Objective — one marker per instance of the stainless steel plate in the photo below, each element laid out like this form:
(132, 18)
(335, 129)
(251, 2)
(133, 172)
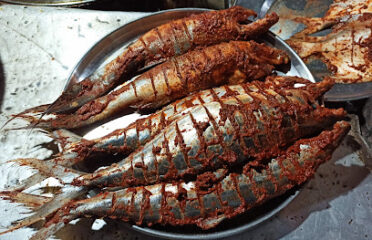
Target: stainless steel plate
(109, 47)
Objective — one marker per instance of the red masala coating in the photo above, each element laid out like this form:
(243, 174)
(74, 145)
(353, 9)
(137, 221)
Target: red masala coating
(161, 43)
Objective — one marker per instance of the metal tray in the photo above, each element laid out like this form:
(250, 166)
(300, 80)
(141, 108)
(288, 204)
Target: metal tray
(109, 47)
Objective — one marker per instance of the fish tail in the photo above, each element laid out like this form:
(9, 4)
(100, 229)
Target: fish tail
(66, 139)
(45, 169)
(27, 199)
(48, 209)
(31, 115)
(46, 206)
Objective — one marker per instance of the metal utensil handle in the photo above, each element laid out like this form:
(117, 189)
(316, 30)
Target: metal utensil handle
(265, 8)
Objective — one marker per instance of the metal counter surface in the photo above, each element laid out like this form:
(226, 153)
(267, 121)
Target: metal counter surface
(39, 47)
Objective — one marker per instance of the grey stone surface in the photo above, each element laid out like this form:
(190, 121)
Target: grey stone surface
(39, 48)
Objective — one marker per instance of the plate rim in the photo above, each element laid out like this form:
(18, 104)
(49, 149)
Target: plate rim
(65, 3)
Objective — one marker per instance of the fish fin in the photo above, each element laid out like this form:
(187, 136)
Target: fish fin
(74, 96)
(45, 169)
(7, 122)
(29, 114)
(29, 182)
(34, 118)
(66, 138)
(71, 148)
(29, 200)
(286, 81)
(211, 222)
(48, 208)
(49, 169)
(259, 26)
(318, 89)
(66, 195)
(51, 228)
